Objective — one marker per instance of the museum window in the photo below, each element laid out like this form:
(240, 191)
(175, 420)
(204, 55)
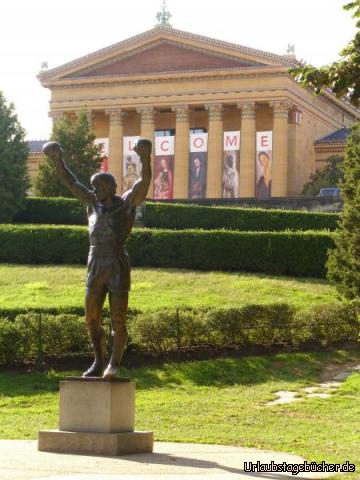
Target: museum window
(165, 133)
(198, 130)
(171, 132)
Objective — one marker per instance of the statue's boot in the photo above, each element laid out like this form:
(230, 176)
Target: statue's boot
(118, 348)
(98, 342)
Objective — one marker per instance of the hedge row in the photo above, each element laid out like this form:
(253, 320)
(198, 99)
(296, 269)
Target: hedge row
(67, 211)
(56, 210)
(280, 253)
(31, 337)
(177, 216)
(255, 325)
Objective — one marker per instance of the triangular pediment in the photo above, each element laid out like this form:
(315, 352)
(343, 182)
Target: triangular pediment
(164, 50)
(163, 57)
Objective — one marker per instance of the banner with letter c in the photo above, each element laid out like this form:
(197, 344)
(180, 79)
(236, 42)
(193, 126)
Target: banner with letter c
(164, 168)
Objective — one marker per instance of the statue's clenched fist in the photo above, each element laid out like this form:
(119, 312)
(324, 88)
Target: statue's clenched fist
(143, 148)
(53, 150)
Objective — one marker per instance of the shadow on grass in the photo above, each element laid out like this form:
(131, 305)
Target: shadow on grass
(220, 372)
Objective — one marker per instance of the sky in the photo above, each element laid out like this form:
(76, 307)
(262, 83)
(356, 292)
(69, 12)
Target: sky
(58, 31)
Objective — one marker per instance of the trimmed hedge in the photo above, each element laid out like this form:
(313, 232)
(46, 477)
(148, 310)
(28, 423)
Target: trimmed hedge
(42, 244)
(68, 211)
(55, 210)
(279, 253)
(177, 216)
(255, 325)
(33, 337)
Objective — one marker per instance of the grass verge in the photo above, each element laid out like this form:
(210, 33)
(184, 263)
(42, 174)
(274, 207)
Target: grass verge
(24, 286)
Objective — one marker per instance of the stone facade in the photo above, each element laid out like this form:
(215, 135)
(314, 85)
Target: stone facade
(166, 79)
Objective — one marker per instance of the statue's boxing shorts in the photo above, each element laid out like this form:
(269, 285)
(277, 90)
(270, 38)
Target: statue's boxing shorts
(109, 271)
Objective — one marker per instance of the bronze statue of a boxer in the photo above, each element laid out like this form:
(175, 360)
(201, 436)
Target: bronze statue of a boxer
(111, 218)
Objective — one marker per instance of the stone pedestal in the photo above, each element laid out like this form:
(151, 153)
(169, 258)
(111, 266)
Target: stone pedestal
(96, 417)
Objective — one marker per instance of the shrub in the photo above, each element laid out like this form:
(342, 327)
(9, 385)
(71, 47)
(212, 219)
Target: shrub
(14, 152)
(344, 260)
(327, 324)
(82, 156)
(260, 326)
(279, 253)
(169, 329)
(32, 336)
(68, 211)
(177, 216)
(46, 244)
(59, 210)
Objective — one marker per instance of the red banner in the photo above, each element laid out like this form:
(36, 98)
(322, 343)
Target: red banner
(164, 168)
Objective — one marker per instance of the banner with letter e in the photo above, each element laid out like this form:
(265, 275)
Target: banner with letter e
(263, 164)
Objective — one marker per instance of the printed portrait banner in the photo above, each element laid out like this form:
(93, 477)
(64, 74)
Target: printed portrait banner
(263, 164)
(164, 168)
(131, 163)
(198, 165)
(103, 143)
(231, 164)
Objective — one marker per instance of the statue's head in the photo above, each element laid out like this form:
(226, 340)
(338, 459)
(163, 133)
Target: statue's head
(104, 185)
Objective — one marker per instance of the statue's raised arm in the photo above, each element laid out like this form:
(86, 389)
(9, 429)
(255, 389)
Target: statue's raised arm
(140, 188)
(54, 151)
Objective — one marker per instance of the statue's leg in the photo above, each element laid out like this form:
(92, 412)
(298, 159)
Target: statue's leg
(94, 302)
(118, 308)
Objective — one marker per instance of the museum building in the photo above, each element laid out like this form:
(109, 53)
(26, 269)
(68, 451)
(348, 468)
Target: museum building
(226, 120)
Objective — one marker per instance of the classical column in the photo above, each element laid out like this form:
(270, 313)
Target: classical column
(91, 118)
(215, 151)
(55, 116)
(116, 136)
(247, 175)
(279, 168)
(147, 131)
(181, 175)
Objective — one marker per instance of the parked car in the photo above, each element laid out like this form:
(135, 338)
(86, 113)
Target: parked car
(329, 192)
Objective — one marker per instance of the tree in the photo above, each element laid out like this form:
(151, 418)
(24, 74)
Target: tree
(344, 261)
(80, 153)
(13, 160)
(330, 176)
(343, 76)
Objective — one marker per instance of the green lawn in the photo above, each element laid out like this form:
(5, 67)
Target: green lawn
(217, 401)
(27, 286)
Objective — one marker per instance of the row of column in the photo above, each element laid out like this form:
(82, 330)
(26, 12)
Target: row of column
(247, 177)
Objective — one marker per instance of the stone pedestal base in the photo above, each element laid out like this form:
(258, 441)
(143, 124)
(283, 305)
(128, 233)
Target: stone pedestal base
(109, 444)
(96, 418)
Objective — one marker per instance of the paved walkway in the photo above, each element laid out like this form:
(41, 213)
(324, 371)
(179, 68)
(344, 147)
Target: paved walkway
(20, 460)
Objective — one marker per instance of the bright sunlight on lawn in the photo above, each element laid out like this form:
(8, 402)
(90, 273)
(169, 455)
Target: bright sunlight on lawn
(61, 286)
